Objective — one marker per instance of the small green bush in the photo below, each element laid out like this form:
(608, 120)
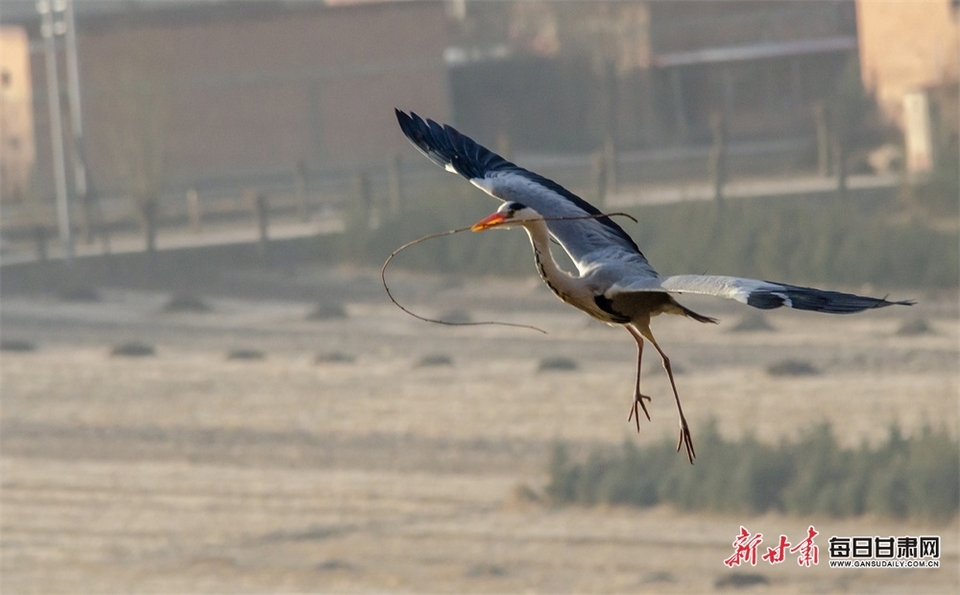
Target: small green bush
(328, 311)
(334, 357)
(132, 349)
(434, 360)
(740, 580)
(245, 354)
(751, 322)
(914, 326)
(78, 292)
(792, 367)
(553, 364)
(21, 345)
(186, 302)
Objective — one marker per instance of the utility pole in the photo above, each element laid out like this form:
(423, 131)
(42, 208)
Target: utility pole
(47, 30)
(76, 115)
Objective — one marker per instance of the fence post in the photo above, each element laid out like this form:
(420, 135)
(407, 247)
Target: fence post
(40, 237)
(86, 219)
(366, 217)
(301, 177)
(600, 177)
(840, 161)
(149, 214)
(823, 138)
(395, 181)
(610, 162)
(261, 211)
(718, 157)
(193, 209)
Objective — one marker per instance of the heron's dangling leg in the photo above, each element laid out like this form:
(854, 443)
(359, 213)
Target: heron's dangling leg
(638, 397)
(685, 438)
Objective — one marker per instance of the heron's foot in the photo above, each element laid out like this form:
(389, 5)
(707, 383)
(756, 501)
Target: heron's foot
(686, 440)
(634, 414)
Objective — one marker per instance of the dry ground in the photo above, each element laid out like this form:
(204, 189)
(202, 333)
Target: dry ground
(188, 472)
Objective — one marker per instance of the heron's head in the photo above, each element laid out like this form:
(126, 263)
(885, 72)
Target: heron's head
(509, 214)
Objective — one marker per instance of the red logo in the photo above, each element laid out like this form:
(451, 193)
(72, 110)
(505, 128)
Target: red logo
(746, 544)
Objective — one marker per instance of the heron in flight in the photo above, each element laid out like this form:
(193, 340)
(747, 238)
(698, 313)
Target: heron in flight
(614, 282)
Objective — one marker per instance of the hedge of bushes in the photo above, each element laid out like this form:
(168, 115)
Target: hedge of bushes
(917, 477)
(816, 240)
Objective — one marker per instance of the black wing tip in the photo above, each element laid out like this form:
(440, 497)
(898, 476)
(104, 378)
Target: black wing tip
(404, 119)
(883, 303)
(818, 300)
(412, 125)
(886, 303)
(859, 303)
(445, 145)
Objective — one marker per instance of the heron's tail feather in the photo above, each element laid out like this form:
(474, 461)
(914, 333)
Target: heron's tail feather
(698, 317)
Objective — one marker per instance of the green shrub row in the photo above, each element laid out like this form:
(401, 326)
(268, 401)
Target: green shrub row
(811, 240)
(916, 477)
(802, 240)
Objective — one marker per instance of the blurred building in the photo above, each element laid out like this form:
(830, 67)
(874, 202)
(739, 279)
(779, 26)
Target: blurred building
(651, 73)
(910, 61)
(907, 46)
(181, 93)
(192, 93)
(17, 151)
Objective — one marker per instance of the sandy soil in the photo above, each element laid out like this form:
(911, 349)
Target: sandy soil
(189, 472)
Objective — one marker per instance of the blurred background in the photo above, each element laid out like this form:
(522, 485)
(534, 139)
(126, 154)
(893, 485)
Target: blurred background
(205, 387)
(177, 114)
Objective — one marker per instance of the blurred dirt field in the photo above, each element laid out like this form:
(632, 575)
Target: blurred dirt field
(187, 471)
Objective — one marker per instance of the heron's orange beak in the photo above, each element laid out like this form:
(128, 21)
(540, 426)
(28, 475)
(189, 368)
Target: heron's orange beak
(488, 222)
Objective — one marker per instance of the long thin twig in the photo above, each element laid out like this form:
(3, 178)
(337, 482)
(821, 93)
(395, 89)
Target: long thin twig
(424, 318)
(441, 234)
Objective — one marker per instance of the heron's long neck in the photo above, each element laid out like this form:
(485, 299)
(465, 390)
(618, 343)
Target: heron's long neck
(562, 283)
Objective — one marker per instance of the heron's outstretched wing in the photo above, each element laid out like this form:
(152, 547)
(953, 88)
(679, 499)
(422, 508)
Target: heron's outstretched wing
(759, 294)
(589, 242)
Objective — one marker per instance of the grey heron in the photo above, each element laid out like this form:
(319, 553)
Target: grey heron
(614, 283)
